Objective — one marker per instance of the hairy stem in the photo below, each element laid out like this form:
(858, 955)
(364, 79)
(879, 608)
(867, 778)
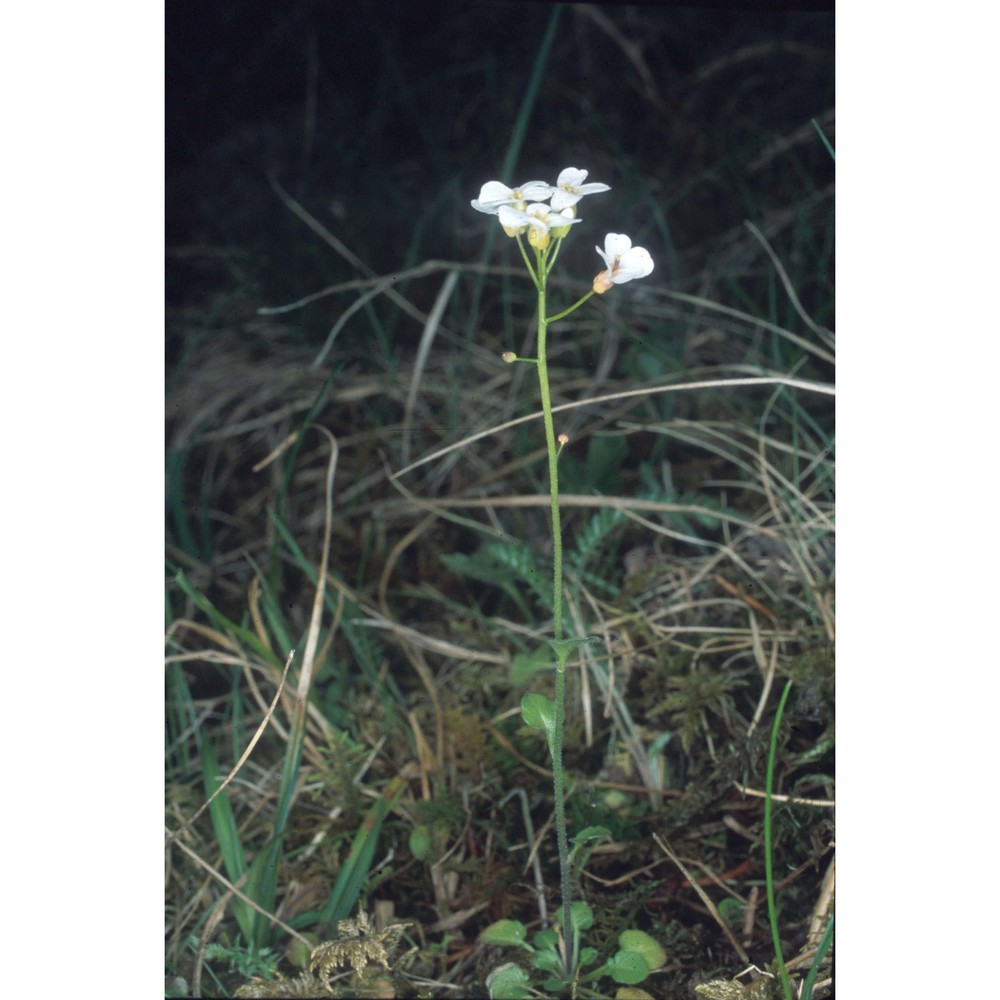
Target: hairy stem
(558, 775)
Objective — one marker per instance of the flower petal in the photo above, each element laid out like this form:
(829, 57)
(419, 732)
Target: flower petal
(570, 188)
(571, 177)
(493, 194)
(615, 244)
(564, 199)
(513, 218)
(534, 191)
(634, 263)
(494, 191)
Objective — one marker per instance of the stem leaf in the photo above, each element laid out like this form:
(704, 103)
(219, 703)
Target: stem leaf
(539, 712)
(563, 647)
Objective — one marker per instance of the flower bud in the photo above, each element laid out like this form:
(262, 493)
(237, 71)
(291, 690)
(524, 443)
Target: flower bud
(560, 231)
(539, 238)
(603, 282)
(509, 356)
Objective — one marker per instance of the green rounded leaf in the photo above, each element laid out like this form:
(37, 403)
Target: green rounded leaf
(581, 916)
(298, 952)
(627, 967)
(546, 940)
(539, 712)
(731, 910)
(650, 949)
(420, 842)
(508, 982)
(547, 961)
(556, 986)
(509, 932)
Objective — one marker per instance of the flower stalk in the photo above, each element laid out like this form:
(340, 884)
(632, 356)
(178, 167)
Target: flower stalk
(559, 719)
(522, 211)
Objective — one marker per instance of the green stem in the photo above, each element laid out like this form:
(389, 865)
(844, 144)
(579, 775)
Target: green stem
(553, 252)
(575, 305)
(558, 774)
(772, 912)
(527, 263)
(562, 838)
(550, 444)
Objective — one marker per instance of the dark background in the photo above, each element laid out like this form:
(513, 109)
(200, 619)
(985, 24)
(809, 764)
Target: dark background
(384, 119)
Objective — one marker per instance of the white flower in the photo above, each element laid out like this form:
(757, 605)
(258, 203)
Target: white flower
(624, 261)
(538, 217)
(561, 229)
(570, 188)
(493, 194)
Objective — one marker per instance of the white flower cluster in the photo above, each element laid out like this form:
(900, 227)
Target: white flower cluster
(524, 208)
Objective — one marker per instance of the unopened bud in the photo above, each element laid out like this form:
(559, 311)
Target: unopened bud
(509, 356)
(602, 283)
(560, 232)
(539, 238)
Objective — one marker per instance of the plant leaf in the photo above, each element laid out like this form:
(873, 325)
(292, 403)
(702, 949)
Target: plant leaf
(508, 982)
(581, 916)
(590, 833)
(226, 836)
(539, 712)
(547, 940)
(563, 647)
(547, 961)
(640, 942)
(508, 932)
(524, 666)
(627, 967)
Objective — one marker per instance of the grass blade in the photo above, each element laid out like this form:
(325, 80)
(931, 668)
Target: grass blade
(227, 837)
(772, 913)
(358, 863)
(224, 623)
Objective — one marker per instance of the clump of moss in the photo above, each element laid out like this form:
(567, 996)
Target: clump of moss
(360, 947)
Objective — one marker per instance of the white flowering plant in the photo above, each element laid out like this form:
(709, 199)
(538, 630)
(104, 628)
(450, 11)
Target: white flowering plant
(543, 215)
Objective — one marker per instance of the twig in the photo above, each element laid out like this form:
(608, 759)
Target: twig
(823, 803)
(536, 865)
(737, 947)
